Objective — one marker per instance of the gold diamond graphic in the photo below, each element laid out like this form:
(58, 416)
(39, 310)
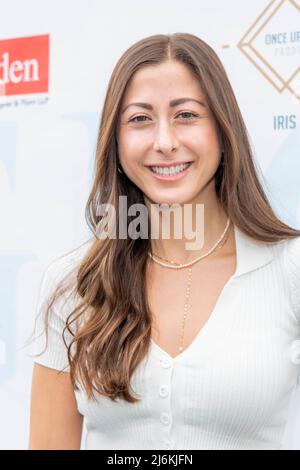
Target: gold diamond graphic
(272, 44)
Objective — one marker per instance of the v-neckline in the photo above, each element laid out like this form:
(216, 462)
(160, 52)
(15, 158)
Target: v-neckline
(208, 324)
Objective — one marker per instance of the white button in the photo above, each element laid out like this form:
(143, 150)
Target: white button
(163, 391)
(166, 363)
(165, 418)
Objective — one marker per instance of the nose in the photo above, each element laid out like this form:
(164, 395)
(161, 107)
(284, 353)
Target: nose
(165, 139)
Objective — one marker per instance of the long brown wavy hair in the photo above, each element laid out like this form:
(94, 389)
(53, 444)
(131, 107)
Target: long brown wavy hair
(113, 318)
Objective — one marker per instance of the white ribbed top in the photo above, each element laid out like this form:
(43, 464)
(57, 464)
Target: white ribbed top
(231, 388)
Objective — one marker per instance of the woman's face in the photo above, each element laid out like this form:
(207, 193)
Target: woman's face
(156, 137)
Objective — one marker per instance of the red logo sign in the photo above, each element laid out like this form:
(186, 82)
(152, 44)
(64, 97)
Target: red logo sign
(24, 65)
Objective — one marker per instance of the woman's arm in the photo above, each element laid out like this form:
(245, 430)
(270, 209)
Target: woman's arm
(55, 422)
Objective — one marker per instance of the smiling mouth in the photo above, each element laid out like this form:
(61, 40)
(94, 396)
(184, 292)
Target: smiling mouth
(170, 170)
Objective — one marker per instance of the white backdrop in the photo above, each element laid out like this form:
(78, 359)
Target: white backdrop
(48, 136)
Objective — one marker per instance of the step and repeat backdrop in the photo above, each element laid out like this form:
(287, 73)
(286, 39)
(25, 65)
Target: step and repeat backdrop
(56, 58)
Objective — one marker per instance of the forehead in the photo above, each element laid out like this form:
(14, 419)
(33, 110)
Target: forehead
(170, 78)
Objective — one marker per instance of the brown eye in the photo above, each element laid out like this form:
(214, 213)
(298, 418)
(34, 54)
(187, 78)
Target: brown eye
(190, 117)
(140, 116)
(187, 112)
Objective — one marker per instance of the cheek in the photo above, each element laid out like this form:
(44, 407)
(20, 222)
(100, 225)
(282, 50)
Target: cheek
(202, 137)
(210, 144)
(205, 145)
(130, 147)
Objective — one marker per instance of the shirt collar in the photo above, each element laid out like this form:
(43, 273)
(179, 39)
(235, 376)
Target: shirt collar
(250, 254)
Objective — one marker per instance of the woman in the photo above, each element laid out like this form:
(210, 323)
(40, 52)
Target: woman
(166, 347)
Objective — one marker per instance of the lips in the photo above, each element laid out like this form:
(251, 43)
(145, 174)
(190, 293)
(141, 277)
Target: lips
(160, 172)
(167, 165)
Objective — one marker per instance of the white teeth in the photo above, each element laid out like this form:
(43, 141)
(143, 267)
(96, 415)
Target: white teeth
(172, 170)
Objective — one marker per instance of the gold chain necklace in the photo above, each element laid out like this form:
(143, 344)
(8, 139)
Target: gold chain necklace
(222, 240)
(190, 263)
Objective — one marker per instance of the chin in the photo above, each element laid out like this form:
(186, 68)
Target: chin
(156, 199)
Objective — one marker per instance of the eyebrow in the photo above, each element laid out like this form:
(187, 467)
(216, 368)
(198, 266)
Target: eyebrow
(172, 103)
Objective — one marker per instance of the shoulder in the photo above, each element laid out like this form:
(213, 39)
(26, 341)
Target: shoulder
(292, 252)
(59, 299)
(61, 272)
(289, 251)
(73, 257)
(292, 259)
(291, 256)
(68, 262)
(286, 259)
